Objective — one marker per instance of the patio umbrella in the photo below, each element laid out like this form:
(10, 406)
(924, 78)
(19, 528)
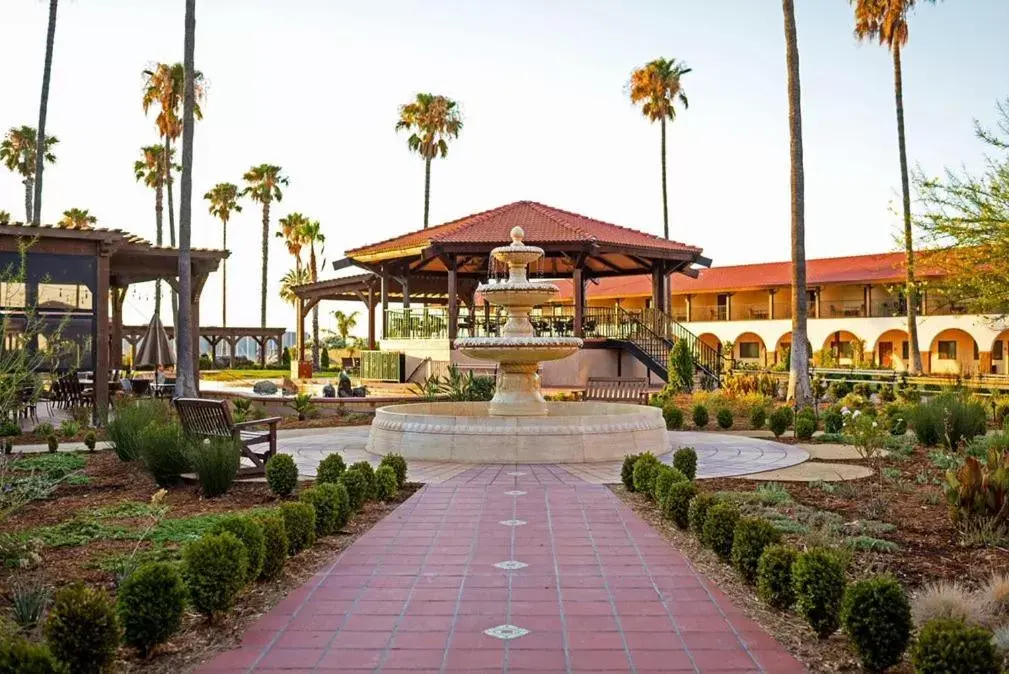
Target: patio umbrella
(155, 347)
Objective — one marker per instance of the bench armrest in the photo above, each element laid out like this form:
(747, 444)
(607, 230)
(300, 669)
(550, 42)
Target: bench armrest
(272, 421)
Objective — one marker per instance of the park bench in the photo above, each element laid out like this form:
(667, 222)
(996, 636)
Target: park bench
(616, 390)
(202, 418)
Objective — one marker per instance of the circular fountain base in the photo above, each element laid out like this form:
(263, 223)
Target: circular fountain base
(467, 433)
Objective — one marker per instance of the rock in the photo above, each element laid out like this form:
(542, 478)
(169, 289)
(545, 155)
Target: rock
(328, 391)
(289, 386)
(265, 388)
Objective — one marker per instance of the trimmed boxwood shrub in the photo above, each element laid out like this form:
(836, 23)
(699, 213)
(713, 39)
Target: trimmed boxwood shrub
(386, 485)
(151, 602)
(18, 656)
(751, 536)
(697, 512)
(356, 484)
(700, 416)
(950, 646)
(673, 416)
(215, 568)
(719, 526)
(804, 428)
(665, 476)
(758, 417)
(281, 474)
(724, 418)
(833, 422)
(82, 629)
(818, 579)
(249, 531)
(779, 420)
(324, 500)
(627, 471)
(368, 473)
(685, 461)
(876, 616)
(644, 473)
(398, 465)
(774, 576)
(676, 503)
(275, 546)
(343, 511)
(330, 469)
(299, 524)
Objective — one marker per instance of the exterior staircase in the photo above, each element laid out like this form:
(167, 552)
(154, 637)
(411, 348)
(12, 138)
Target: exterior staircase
(649, 335)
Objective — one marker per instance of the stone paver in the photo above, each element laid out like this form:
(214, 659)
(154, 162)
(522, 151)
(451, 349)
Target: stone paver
(813, 471)
(508, 568)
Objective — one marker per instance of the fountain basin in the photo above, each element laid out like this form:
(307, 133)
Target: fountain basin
(519, 350)
(466, 432)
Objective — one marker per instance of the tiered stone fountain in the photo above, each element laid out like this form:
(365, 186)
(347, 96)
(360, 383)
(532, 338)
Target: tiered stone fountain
(517, 425)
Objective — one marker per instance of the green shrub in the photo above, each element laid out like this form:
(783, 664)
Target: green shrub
(697, 511)
(644, 473)
(151, 602)
(804, 428)
(18, 656)
(343, 506)
(665, 476)
(386, 485)
(90, 440)
(724, 418)
(949, 646)
(950, 419)
(876, 616)
(700, 416)
(779, 420)
(676, 502)
(356, 484)
(216, 462)
(330, 469)
(282, 474)
(368, 472)
(685, 461)
(833, 422)
(52, 443)
(215, 567)
(818, 578)
(82, 629)
(129, 420)
(164, 452)
(398, 465)
(299, 524)
(275, 546)
(774, 576)
(673, 416)
(681, 366)
(758, 417)
(719, 526)
(249, 531)
(323, 498)
(627, 471)
(751, 536)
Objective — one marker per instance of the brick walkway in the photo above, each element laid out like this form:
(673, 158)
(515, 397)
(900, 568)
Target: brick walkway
(508, 569)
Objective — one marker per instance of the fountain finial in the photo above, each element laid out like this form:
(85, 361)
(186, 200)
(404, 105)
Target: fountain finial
(517, 235)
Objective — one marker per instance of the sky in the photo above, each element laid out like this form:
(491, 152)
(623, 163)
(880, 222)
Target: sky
(315, 86)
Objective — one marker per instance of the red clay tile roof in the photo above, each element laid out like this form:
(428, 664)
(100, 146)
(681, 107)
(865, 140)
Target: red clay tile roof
(542, 224)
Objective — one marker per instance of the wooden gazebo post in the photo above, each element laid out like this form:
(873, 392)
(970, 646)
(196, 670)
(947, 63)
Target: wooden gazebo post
(371, 318)
(453, 298)
(579, 298)
(101, 332)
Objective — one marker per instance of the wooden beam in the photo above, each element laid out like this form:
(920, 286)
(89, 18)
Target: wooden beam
(371, 318)
(579, 299)
(101, 340)
(453, 301)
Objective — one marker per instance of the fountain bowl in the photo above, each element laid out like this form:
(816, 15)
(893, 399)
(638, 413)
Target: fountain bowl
(466, 432)
(518, 350)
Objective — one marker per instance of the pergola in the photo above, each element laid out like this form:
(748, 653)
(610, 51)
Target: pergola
(214, 335)
(102, 263)
(444, 263)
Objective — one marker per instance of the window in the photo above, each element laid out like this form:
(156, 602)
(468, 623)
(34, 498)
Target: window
(845, 350)
(64, 296)
(749, 350)
(12, 294)
(905, 351)
(996, 351)
(947, 350)
(976, 354)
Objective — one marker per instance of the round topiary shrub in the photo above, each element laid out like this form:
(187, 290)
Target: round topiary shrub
(697, 512)
(833, 422)
(673, 416)
(685, 461)
(398, 465)
(758, 417)
(818, 579)
(719, 526)
(151, 602)
(368, 472)
(779, 420)
(876, 616)
(323, 499)
(700, 416)
(250, 532)
(644, 473)
(665, 476)
(356, 484)
(275, 546)
(299, 524)
(18, 655)
(774, 576)
(343, 507)
(724, 418)
(627, 471)
(82, 629)
(215, 568)
(804, 428)
(330, 469)
(751, 537)
(281, 474)
(386, 485)
(676, 503)
(950, 646)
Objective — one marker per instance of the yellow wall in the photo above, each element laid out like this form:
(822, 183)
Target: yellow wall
(896, 338)
(964, 363)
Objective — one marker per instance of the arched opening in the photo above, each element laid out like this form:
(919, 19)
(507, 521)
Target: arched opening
(953, 351)
(748, 350)
(842, 348)
(891, 350)
(1000, 354)
(710, 339)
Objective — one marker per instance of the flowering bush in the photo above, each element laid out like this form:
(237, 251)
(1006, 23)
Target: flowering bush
(865, 433)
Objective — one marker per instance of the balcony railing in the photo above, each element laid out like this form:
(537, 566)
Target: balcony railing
(597, 322)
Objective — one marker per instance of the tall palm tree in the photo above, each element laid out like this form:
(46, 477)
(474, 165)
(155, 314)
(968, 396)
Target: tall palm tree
(17, 152)
(5, 217)
(799, 389)
(345, 323)
(886, 21)
(185, 331)
(656, 87)
(42, 153)
(263, 185)
(77, 218)
(150, 169)
(311, 233)
(223, 198)
(433, 120)
(293, 277)
(289, 230)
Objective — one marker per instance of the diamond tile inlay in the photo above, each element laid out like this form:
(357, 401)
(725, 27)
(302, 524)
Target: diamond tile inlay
(506, 632)
(516, 474)
(515, 492)
(511, 565)
(512, 523)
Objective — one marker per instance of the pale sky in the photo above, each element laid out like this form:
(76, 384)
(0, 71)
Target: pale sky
(314, 86)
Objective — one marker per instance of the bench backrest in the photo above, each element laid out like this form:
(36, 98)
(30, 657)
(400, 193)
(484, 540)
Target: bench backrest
(615, 389)
(208, 418)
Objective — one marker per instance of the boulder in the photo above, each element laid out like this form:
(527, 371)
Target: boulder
(265, 388)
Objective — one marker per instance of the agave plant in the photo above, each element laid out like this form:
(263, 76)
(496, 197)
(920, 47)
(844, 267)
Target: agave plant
(979, 489)
(302, 404)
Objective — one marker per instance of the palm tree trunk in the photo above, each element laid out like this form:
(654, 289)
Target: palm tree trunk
(171, 219)
(185, 331)
(427, 189)
(265, 253)
(159, 208)
(29, 186)
(224, 276)
(911, 289)
(315, 310)
(665, 198)
(40, 143)
(798, 375)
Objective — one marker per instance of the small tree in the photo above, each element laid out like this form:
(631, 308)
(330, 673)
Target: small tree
(681, 366)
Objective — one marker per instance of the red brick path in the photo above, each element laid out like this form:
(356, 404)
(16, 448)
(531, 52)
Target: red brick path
(596, 590)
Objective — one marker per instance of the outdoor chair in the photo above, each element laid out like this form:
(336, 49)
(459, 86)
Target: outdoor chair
(206, 419)
(615, 390)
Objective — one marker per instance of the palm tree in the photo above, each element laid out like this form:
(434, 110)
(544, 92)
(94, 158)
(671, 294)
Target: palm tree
(263, 184)
(345, 323)
(293, 277)
(886, 21)
(17, 152)
(77, 218)
(798, 376)
(185, 331)
(432, 119)
(656, 88)
(290, 232)
(42, 153)
(5, 217)
(311, 233)
(150, 169)
(223, 198)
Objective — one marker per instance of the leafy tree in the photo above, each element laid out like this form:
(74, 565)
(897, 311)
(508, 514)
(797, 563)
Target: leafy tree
(17, 152)
(150, 169)
(433, 120)
(290, 231)
(263, 183)
(223, 198)
(345, 323)
(5, 217)
(77, 218)
(293, 277)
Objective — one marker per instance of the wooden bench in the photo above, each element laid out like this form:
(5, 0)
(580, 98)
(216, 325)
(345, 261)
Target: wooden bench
(202, 418)
(615, 390)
